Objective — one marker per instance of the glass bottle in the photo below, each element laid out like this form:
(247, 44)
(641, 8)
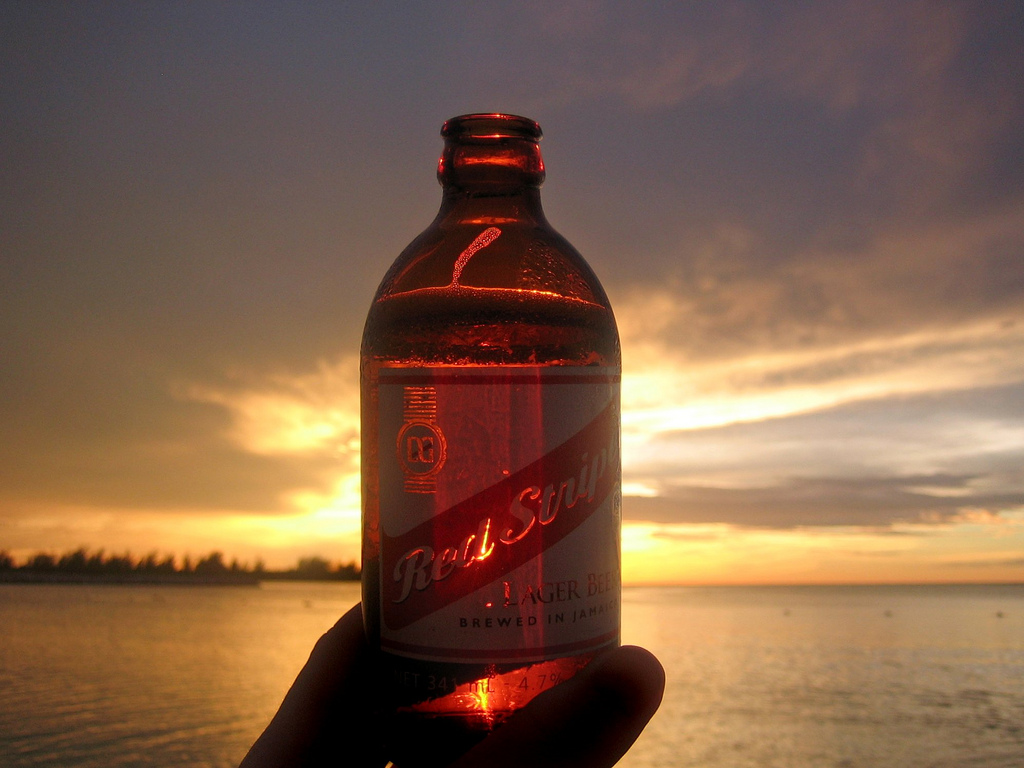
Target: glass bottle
(490, 373)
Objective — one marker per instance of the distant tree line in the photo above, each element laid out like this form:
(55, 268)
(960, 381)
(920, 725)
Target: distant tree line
(86, 564)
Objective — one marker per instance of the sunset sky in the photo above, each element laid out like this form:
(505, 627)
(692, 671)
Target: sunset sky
(809, 218)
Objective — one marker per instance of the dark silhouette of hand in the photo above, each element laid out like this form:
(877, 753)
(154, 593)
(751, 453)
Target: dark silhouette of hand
(589, 721)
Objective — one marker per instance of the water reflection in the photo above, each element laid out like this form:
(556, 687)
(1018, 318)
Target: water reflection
(887, 677)
(117, 676)
(800, 677)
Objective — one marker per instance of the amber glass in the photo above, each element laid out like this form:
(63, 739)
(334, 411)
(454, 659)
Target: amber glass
(488, 284)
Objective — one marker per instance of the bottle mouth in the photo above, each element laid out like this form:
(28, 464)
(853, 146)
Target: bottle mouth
(491, 125)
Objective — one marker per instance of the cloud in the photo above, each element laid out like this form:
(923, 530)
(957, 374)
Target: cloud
(899, 65)
(953, 457)
(954, 432)
(995, 562)
(822, 501)
(720, 297)
(666, 390)
(851, 141)
(312, 413)
(110, 432)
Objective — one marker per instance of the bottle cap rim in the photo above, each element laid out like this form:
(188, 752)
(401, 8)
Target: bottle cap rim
(495, 125)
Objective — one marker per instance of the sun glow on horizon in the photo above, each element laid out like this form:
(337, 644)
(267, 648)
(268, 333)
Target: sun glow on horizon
(315, 415)
(979, 550)
(976, 547)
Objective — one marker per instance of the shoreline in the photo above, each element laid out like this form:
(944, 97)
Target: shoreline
(155, 579)
(18, 576)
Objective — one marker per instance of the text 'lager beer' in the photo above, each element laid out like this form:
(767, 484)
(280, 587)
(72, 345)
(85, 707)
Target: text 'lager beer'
(490, 454)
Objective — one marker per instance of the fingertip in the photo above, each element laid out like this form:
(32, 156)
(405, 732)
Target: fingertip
(632, 677)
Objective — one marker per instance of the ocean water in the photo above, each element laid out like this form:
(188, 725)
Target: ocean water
(837, 677)
(798, 677)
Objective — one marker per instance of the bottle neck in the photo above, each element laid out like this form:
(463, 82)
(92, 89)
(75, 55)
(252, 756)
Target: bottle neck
(491, 166)
(493, 207)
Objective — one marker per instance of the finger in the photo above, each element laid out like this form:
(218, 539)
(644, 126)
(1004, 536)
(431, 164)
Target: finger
(323, 708)
(589, 721)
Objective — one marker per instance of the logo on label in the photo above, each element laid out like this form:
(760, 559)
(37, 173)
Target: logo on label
(421, 445)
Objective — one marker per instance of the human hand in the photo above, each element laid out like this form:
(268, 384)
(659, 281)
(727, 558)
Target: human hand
(589, 721)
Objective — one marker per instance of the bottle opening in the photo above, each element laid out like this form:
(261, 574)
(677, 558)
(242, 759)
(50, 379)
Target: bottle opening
(491, 125)
(491, 153)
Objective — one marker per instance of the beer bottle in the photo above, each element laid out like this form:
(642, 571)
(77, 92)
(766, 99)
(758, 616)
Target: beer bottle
(490, 374)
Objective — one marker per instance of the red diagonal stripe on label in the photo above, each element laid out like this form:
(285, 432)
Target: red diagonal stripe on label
(461, 549)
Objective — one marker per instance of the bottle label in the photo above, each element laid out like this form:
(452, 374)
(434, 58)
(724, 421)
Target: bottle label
(500, 511)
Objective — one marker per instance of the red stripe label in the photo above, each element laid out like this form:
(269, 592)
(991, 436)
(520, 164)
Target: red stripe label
(502, 527)
(499, 511)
